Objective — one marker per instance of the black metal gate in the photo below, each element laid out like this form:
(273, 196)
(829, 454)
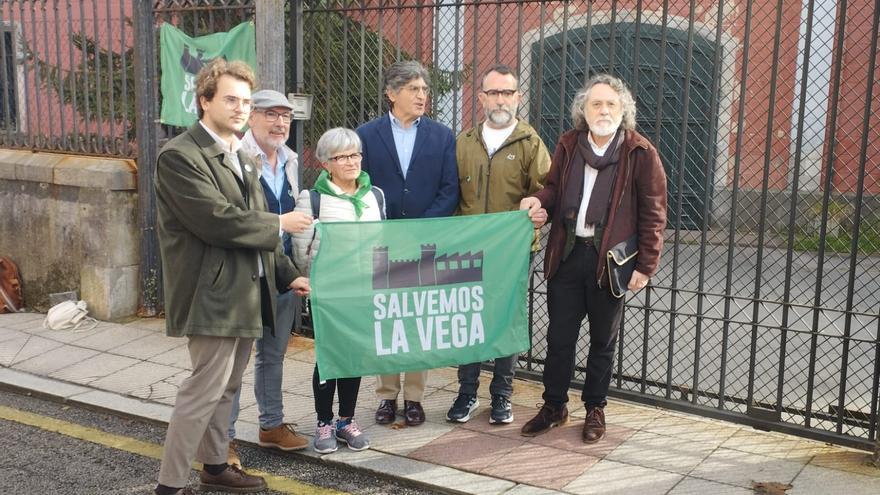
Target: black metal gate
(765, 309)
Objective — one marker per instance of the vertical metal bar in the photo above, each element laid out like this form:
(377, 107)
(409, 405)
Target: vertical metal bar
(612, 39)
(73, 90)
(147, 152)
(707, 187)
(539, 103)
(381, 37)
(854, 244)
(826, 198)
(731, 233)
(679, 193)
(123, 94)
(28, 67)
(519, 33)
(419, 35)
(588, 45)
(51, 139)
(645, 338)
(99, 128)
(474, 61)
(296, 54)
(363, 61)
(661, 98)
(765, 186)
(456, 62)
(497, 59)
(329, 118)
(8, 121)
(347, 121)
(792, 212)
(111, 117)
(636, 51)
(87, 108)
(875, 389)
(397, 39)
(42, 141)
(563, 70)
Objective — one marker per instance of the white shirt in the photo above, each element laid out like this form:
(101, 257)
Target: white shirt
(231, 151)
(494, 138)
(590, 175)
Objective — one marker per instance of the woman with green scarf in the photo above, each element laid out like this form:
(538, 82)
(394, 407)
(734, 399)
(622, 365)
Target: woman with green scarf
(346, 195)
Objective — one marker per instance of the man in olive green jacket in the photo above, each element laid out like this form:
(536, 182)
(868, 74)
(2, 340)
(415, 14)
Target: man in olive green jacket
(500, 161)
(223, 264)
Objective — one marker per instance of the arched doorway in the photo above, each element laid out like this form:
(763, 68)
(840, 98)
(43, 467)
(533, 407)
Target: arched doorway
(658, 83)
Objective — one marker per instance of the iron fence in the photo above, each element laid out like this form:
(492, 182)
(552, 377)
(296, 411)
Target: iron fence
(765, 308)
(66, 81)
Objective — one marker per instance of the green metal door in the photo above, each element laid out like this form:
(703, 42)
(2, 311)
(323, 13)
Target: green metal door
(684, 135)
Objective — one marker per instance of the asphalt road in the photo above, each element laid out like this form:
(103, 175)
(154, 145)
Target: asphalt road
(37, 460)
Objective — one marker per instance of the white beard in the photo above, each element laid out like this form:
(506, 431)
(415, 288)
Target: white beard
(501, 117)
(603, 130)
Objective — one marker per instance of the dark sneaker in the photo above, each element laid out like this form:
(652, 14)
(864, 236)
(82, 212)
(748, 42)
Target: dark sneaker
(547, 418)
(502, 412)
(462, 408)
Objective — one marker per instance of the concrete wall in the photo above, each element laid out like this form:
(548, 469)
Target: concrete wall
(70, 223)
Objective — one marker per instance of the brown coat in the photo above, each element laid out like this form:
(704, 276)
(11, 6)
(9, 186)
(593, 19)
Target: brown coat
(638, 203)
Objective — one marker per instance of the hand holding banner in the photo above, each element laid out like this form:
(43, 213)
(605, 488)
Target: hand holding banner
(418, 294)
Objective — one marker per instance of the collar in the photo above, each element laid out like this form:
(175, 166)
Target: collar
(224, 145)
(600, 150)
(396, 122)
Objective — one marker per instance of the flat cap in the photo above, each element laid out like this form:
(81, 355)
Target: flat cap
(267, 98)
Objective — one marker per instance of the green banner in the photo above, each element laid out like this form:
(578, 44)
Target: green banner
(407, 295)
(183, 56)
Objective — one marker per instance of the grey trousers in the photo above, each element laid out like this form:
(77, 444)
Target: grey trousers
(199, 422)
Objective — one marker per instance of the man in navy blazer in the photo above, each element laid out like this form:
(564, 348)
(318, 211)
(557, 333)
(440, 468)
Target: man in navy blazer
(412, 158)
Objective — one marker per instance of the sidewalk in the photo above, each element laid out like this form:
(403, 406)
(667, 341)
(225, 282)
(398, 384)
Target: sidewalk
(135, 369)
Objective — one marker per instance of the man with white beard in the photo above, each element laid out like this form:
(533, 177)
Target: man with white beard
(606, 188)
(500, 161)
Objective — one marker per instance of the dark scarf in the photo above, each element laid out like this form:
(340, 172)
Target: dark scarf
(574, 189)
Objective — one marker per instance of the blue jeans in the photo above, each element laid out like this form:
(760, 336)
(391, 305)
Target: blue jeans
(268, 366)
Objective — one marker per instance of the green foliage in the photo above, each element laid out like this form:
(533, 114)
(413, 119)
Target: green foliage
(93, 83)
(343, 60)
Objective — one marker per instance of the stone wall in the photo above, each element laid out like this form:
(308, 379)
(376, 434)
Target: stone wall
(70, 223)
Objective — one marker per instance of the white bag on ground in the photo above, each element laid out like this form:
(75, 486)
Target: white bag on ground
(68, 315)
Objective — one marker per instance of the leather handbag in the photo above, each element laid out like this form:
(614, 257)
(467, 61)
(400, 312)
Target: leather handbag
(621, 263)
(10, 286)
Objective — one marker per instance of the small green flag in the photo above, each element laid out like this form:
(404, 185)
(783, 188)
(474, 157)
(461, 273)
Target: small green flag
(183, 56)
(418, 294)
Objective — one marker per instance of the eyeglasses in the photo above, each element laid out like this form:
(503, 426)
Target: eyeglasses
(346, 158)
(233, 102)
(507, 93)
(272, 116)
(412, 88)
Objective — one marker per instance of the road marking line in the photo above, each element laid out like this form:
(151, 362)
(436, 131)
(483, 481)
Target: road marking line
(146, 449)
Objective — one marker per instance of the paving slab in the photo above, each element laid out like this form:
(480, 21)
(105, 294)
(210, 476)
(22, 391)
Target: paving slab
(539, 465)
(831, 481)
(661, 452)
(31, 346)
(738, 468)
(696, 486)
(111, 337)
(609, 477)
(59, 358)
(137, 379)
(148, 346)
(94, 368)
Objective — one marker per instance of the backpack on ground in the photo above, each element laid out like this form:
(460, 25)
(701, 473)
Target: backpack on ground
(11, 300)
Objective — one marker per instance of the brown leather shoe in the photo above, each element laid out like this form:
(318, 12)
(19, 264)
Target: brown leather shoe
(413, 413)
(282, 437)
(594, 425)
(547, 418)
(232, 479)
(387, 411)
(232, 457)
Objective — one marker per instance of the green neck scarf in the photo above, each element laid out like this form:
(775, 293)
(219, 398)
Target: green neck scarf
(322, 185)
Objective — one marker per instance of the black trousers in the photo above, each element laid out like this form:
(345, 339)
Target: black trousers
(324, 392)
(573, 293)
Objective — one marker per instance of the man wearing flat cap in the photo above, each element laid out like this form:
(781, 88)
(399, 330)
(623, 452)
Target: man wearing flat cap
(269, 128)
